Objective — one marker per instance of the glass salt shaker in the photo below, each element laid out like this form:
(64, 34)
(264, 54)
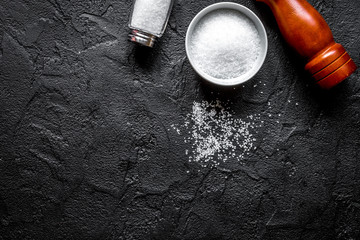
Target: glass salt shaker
(148, 20)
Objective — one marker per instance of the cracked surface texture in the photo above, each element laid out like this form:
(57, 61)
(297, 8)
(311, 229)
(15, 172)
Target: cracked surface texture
(85, 146)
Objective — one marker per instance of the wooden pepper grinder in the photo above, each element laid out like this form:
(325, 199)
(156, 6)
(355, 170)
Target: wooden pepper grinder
(307, 32)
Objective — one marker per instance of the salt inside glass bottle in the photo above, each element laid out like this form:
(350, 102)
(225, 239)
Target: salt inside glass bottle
(148, 20)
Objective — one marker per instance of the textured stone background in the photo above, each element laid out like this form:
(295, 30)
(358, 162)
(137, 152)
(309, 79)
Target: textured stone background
(85, 150)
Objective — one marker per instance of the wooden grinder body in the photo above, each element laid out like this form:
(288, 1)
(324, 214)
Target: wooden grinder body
(307, 32)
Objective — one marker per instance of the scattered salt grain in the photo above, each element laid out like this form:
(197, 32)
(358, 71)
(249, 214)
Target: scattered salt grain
(216, 136)
(175, 128)
(150, 15)
(225, 44)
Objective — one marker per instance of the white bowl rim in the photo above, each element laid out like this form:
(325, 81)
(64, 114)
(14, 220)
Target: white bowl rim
(259, 26)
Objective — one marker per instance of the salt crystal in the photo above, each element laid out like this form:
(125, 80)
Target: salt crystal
(215, 135)
(150, 15)
(225, 44)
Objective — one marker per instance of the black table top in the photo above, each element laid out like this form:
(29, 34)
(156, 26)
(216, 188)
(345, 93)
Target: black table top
(97, 141)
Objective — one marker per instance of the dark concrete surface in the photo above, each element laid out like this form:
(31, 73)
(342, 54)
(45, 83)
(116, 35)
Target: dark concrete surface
(85, 146)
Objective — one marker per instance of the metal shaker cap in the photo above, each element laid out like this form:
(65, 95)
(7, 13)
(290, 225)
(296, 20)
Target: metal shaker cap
(142, 38)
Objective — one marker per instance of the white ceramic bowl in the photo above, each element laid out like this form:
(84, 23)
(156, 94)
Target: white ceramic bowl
(263, 43)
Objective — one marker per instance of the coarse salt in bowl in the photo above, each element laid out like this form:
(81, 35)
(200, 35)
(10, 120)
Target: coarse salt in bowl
(226, 44)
